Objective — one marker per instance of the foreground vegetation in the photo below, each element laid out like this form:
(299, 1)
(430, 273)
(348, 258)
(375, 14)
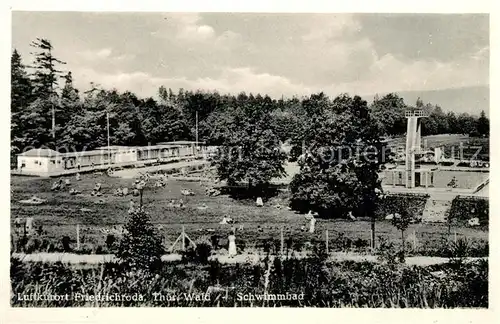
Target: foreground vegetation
(323, 284)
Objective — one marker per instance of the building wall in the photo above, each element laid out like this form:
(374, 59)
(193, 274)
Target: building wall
(37, 164)
(125, 156)
(55, 164)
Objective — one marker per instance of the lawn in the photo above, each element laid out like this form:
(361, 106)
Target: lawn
(62, 212)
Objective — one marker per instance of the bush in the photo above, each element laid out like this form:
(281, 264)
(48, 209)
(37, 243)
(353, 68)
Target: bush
(110, 241)
(322, 283)
(141, 246)
(392, 203)
(465, 208)
(65, 243)
(387, 252)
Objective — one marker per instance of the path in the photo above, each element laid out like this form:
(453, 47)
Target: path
(132, 173)
(72, 258)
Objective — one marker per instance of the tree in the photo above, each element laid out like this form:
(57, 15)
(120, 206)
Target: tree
(389, 111)
(162, 122)
(250, 150)
(21, 97)
(401, 220)
(69, 114)
(430, 125)
(287, 118)
(467, 124)
(452, 123)
(46, 76)
(483, 125)
(141, 246)
(344, 155)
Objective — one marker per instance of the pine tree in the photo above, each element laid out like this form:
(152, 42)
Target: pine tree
(21, 97)
(141, 247)
(46, 78)
(69, 115)
(483, 125)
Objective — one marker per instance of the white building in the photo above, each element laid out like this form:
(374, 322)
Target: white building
(120, 154)
(40, 161)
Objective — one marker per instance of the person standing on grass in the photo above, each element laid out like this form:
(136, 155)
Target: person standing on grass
(232, 243)
(312, 223)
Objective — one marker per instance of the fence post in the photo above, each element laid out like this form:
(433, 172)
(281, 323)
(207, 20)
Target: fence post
(78, 236)
(414, 240)
(455, 237)
(326, 240)
(281, 240)
(183, 238)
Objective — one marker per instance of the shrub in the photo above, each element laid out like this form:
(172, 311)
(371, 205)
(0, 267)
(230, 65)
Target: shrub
(141, 246)
(387, 252)
(392, 203)
(464, 208)
(65, 243)
(360, 243)
(460, 248)
(323, 283)
(110, 241)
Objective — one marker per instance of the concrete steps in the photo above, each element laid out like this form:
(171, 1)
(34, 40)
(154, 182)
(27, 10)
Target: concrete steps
(435, 211)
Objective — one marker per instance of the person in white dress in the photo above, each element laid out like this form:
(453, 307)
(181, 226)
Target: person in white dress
(232, 244)
(312, 222)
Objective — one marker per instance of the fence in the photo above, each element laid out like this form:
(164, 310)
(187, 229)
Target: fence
(250, 237)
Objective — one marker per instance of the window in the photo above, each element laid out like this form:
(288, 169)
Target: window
(36, 161)
(52, 161)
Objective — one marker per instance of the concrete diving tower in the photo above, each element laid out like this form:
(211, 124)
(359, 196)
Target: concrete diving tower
(413, 143)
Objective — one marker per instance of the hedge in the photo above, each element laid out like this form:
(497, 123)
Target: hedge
(464, 208)
(392, 203)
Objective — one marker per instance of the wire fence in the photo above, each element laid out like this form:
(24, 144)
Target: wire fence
(250, 236)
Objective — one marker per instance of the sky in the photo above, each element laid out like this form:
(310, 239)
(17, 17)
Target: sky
(275, 54)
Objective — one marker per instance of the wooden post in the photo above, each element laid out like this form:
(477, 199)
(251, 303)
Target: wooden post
(326, 240)
(281, 240)
(414, 240)
(183, 238)
(455, 237)
(78, 236)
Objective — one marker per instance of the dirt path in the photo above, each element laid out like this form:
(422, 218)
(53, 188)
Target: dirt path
(72, 258)
(132, 173)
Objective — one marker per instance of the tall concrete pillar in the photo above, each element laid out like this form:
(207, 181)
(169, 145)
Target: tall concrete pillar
(418, 139)
(413, 143)
(411, 137)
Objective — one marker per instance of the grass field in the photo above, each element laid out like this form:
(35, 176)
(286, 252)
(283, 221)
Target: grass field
(62, 212)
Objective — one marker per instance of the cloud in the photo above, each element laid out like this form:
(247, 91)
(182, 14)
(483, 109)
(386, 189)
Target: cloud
(275, 53)
(95, 54)
(323, 28)
(189, 28)
(230, 80)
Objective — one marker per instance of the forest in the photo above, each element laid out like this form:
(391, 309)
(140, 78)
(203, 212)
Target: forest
(48, 110)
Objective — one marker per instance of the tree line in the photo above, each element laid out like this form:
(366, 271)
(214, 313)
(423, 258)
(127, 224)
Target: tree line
(47, 110)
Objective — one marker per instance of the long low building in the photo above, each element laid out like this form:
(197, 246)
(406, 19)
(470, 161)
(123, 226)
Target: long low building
(45, 162)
